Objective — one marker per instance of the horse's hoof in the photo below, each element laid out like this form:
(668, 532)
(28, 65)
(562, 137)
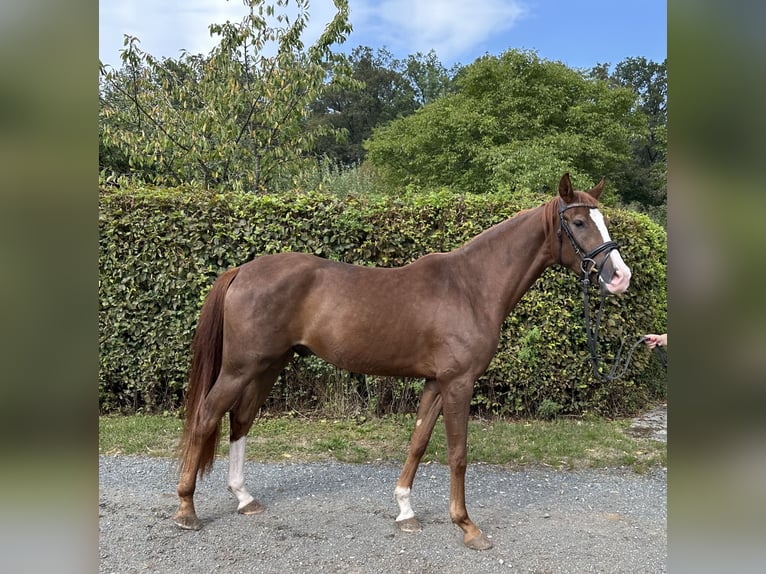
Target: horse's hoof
(187, 521)
(409, 525)
(252, 507)
(478, 542)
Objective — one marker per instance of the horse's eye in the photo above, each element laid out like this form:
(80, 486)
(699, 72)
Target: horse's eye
(578, 223)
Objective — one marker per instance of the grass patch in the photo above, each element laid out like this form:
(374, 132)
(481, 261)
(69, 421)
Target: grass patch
(560, 444)
(151, 435)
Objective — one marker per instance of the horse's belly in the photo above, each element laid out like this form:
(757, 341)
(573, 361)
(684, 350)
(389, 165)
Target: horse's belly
(374, 353)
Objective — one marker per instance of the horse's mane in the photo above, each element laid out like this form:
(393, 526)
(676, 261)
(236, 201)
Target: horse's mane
(548, 211)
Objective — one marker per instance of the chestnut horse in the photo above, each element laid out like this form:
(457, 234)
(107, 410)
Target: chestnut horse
(438, 318)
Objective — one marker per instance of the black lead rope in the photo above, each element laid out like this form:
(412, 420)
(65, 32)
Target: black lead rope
(662, 354)
(592, 340)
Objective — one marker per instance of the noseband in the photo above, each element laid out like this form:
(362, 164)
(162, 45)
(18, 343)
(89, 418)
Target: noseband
(588, 265)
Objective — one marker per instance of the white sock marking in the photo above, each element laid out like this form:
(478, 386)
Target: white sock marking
(237, 472)
(402, 496)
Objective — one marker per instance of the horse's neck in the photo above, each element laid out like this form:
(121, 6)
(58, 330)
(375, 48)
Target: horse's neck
(505, 260)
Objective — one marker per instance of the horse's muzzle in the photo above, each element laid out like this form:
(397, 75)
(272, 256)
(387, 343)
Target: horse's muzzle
(614, 276)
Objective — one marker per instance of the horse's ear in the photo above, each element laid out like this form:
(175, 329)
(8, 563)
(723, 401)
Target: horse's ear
(596, 191)
(565, 189)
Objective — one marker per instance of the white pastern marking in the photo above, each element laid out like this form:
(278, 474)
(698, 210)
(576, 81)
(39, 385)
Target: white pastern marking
(237, 472)
(402, 496)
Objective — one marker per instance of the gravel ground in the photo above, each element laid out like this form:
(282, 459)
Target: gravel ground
(333, 517)
(652, 424)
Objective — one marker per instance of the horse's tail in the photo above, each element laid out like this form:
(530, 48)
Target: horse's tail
(207, 346)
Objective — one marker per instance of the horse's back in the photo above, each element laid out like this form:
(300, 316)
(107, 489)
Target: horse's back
(281, 264)
(273, 271)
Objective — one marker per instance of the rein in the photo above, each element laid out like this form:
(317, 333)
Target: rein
(588, 265)
(592, 341)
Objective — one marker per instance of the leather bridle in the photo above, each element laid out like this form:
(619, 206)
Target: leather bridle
(588, 265)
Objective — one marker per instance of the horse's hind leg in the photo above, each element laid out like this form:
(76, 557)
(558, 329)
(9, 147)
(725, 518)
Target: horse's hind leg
(246, 503)
(224, 393)
(428, 412)
(241, 419)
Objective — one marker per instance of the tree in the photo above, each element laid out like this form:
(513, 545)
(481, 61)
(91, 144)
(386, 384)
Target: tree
(234, 119)
(428, 77)
(516, 122)
(386, 89)
(646, 181)
(381, 93)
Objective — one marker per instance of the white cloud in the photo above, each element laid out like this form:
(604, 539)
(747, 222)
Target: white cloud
(164, 28)
(451, 27)
(199, 14)
(173, 25)
(167, 27)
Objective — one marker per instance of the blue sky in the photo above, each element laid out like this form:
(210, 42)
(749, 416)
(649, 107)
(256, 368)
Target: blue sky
(579, 34)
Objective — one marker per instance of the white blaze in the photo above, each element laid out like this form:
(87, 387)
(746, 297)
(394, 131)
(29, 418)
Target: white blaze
(621, 280)
(598, 219)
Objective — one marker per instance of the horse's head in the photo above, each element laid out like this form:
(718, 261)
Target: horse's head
(589, 249)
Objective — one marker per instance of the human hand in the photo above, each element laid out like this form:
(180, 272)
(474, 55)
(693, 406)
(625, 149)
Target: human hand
(653, 340)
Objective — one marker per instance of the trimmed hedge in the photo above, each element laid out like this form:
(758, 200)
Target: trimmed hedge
(161, 250)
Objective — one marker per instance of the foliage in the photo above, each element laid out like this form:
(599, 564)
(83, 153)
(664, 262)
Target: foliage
(233, 119)
(428, 77)
(161, 249)
(239, 119)
(515, 121)
(236, 119)
(386, 89)
(329, 177)
(645, 181)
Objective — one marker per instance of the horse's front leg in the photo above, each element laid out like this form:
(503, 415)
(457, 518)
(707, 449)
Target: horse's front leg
(428, 412)
(457, 402)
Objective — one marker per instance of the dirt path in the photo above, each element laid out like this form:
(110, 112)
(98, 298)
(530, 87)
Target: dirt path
(334, 517)
(652, 424)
